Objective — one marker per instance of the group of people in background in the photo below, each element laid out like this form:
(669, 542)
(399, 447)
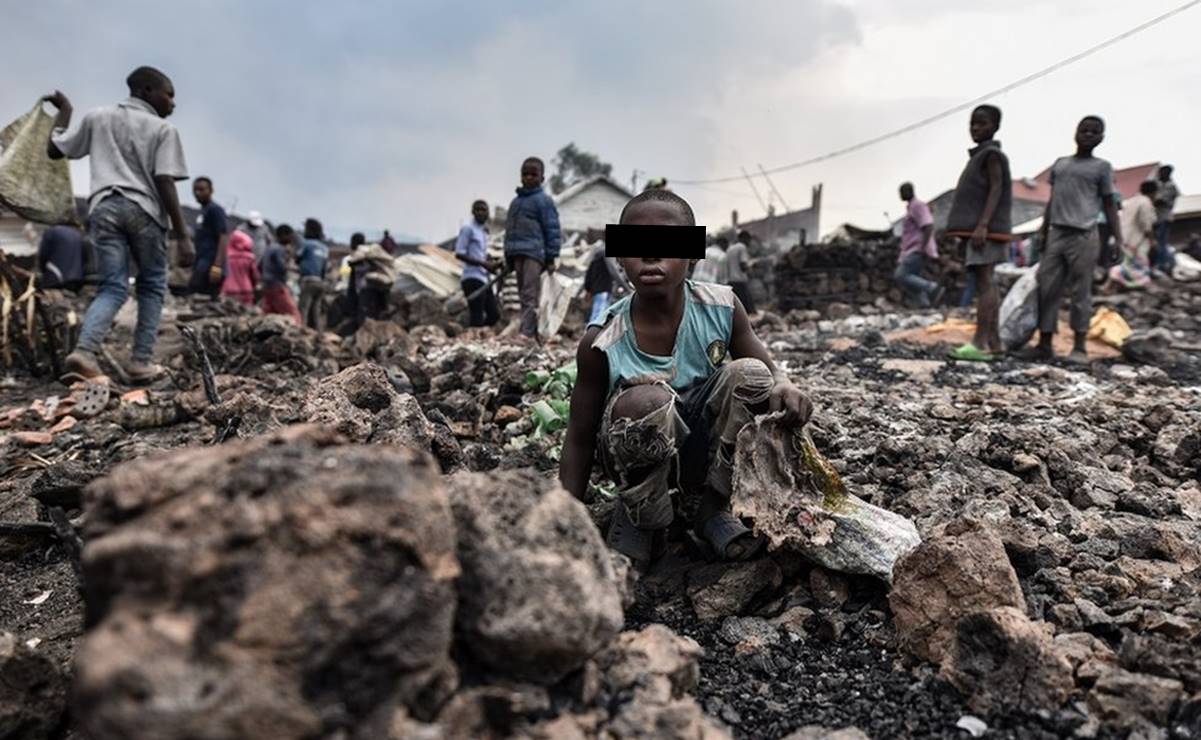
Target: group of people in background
(136, 158)
(1084, 205)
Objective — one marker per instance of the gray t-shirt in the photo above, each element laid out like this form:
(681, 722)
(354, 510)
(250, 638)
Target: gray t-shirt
(1079, 187)
(129, 145)
(735, 263)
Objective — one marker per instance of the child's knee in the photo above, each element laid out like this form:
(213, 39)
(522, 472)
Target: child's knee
(749, 379)
(640, 401)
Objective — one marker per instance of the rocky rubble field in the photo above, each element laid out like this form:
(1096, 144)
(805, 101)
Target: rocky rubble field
(362, 538)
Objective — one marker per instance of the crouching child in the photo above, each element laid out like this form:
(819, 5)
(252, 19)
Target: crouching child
(667, 377)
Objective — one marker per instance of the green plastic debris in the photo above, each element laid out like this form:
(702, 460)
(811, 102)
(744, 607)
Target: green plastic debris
(535, 379)
(547, 419)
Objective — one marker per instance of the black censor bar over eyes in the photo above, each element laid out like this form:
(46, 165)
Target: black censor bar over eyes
(634, 240)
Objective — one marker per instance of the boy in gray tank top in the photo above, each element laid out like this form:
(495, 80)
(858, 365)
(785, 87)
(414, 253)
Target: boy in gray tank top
(980, 216)
(689, 374)
(1081, 187)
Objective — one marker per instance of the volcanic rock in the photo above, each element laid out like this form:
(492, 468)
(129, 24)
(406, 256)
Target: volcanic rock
(280, 587)
(1002, 660)
(33, 691)
(539, 592)
(724, 589)
(962, 570)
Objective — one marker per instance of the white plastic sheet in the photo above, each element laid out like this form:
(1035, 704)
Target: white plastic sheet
(557, 293)
(1019, 311)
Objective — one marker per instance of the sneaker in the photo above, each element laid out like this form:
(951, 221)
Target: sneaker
(144, 372)
(81, 364)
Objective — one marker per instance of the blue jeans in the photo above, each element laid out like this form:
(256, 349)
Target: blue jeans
(909, 276)
(121, 231)
(600, 302)
(1165, 259)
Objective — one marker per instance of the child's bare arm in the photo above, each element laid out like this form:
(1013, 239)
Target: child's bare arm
(992, 167)
(785, 396)
(587, 407)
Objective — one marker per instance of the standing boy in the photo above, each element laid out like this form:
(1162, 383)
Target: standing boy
(917, 244)
(1081, 186)
(532, 240)
(472, 249)
(666, 380)
(1165, 203)
(738, 265)
(277, 298)
(212, 241)
(980, 216)
(136, 157)
(312, 257)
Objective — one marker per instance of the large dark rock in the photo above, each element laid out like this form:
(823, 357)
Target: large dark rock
(961, 570)
(33, 691)
(280, 587)
(1001, 660)
(539, 592)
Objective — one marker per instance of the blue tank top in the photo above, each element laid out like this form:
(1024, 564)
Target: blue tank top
(702, 341)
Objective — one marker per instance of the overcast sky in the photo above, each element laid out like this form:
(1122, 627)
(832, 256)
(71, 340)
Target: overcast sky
(400, 114)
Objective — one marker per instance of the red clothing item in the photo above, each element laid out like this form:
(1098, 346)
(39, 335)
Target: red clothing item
(241, 269)
(278, 299)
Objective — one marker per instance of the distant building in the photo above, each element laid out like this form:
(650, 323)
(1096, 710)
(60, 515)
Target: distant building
(590, 204)
(784, 230)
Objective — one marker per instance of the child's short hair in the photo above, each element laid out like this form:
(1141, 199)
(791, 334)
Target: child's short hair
(745, 237)
(284, 232)
(992, 111)
(663, 196)
(1098, 119)
(144, 78)
(204, 179)
(312, 228)
(483, 203)
(1148, 187)
(534, 160)
(357, 239)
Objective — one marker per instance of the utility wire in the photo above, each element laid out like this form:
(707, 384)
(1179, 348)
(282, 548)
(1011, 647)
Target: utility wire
(962, 106)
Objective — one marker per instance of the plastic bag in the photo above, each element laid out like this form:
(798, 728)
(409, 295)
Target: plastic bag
(1019, 311)
(557, 294)
(1187, 269)
(32, 185)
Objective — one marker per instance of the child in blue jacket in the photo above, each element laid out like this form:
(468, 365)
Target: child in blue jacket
(532, 240)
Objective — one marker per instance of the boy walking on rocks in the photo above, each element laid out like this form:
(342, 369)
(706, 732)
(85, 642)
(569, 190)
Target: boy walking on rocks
(667, 377)
(532, 240)
(136, 157)
(1081, 187)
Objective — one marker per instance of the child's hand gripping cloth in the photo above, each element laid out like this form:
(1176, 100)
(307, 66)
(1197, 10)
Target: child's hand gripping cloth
(32, 185)
(798, 500)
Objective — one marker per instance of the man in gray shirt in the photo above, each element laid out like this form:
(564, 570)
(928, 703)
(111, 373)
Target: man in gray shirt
(1081, 186)
(737, 267)
(1165, 203)
(136, 157)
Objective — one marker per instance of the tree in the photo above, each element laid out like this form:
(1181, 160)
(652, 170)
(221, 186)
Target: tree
(573, 165)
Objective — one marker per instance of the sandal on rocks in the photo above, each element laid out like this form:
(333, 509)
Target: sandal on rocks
(636, 544)
(970, 353)
(730, 538)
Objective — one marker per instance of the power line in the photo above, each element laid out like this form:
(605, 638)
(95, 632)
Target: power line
(962, 106)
